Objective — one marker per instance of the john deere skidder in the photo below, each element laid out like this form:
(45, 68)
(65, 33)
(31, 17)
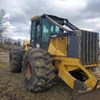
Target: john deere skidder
(58, 48)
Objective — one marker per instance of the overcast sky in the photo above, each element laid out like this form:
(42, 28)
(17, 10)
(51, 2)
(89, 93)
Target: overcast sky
(85, 14)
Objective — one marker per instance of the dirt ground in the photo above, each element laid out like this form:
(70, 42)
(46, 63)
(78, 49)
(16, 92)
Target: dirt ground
(11, 87)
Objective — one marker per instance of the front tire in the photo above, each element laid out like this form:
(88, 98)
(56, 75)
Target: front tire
(38, 70)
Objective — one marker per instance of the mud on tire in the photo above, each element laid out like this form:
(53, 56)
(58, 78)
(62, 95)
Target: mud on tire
(38, 70)
(15, 59)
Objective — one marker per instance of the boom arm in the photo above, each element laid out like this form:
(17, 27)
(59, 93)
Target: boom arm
(71, 26)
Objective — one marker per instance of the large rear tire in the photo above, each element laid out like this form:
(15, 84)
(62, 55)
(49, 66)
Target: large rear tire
(38, 70)
(15, 59)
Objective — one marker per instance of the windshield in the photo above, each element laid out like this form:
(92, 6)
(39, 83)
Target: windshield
(49, 29)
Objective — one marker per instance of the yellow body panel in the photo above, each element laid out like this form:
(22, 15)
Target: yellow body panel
(57, 46)
(26, 45)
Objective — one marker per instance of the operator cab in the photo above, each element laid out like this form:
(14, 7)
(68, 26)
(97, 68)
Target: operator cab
(47, 26)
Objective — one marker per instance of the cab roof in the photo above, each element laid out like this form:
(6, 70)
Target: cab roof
(44, 16)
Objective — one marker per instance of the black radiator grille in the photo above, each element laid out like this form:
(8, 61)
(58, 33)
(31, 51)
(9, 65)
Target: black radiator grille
(89, 48)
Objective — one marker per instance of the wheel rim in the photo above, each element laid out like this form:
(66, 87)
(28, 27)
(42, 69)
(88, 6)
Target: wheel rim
(28, 71)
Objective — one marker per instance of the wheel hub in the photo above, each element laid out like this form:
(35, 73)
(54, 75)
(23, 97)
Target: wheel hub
(28, 71)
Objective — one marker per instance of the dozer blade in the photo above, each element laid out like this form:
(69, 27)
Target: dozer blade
(73, 78)
(95, 71)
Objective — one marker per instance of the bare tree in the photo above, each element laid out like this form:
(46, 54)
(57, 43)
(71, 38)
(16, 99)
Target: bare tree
(3, 23)
(3, 20)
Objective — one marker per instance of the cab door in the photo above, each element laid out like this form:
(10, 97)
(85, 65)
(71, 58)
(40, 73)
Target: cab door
(38, 34)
